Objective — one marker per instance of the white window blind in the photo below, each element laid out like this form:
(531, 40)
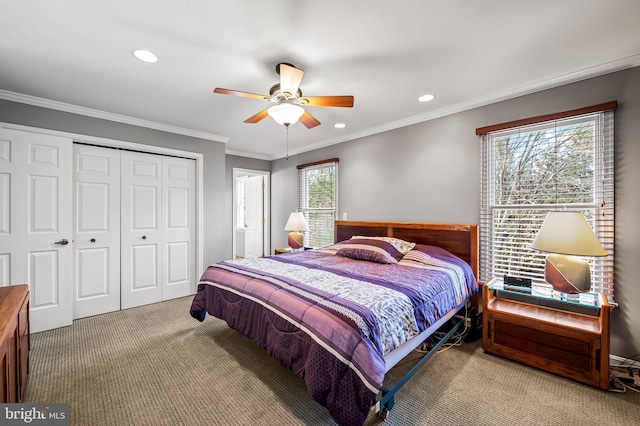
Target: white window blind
(561, 164)
(318, 200)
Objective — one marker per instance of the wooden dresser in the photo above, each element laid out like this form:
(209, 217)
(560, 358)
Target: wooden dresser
(14, 342)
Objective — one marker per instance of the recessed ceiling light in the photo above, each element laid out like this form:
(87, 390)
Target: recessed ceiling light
(426, 98)
(339, 125)
(145, 56)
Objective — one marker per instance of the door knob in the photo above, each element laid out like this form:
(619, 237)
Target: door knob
(93, 240)
(144, 237)
(63, 242)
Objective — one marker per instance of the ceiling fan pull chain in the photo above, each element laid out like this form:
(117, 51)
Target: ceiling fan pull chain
(287, 126)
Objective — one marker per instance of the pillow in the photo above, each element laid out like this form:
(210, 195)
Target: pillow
(371, 249)
(400, 245)
(331, 249)
(417, 256)
(425, 256)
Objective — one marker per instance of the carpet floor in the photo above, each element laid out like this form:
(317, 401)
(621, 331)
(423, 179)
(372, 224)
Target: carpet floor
(155, 365)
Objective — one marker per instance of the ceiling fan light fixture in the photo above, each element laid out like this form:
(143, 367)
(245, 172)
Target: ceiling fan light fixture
(286, 113)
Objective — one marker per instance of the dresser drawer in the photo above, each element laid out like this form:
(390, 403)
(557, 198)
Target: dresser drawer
(550, 347)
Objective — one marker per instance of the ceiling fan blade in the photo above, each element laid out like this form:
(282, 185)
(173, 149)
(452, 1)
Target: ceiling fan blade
(259, 116)
(238, 93)
(309, 120)
(332, 101)
(290, 78)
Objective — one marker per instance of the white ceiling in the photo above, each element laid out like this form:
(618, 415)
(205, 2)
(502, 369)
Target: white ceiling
(75, 55)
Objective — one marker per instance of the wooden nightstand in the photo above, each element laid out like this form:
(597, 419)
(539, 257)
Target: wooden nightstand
(568, 338)
(281, 250)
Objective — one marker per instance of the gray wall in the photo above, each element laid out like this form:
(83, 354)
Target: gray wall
(430, 172)
(425, 172)
(217, 239)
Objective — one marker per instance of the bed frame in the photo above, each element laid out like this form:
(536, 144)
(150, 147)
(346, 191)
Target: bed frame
(459, 239)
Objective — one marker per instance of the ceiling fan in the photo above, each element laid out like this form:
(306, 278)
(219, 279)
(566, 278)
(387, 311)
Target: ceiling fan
(288, 99)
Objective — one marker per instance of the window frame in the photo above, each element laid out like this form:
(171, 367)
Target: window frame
(603, 192)
(303, 195)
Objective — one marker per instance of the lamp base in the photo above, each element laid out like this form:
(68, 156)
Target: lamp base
(295, 240)
(567, 274)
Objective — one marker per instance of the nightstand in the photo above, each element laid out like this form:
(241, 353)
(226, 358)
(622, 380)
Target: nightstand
(543, 329)
(281, 250)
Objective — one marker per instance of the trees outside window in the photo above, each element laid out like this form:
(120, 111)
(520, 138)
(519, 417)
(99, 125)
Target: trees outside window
(527, 171)
(317, 189)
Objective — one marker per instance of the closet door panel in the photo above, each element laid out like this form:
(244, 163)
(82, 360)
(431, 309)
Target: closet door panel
(96, 230)
(179, 227)
(141, 235)
(142, 257)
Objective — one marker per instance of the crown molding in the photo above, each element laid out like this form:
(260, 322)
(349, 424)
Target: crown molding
(89, 112)
(249, 155)
(584, 74)
(595, 71)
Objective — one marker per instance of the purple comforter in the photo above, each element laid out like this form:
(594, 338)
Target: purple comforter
(325, 337)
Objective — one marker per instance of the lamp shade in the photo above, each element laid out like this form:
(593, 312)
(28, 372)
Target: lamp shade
(285, 113)
(296, 222)
(567, 233)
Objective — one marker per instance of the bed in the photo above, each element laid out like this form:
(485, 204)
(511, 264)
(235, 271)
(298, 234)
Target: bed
(342, 316)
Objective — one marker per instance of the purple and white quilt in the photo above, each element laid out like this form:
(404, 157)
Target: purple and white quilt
(331, 319)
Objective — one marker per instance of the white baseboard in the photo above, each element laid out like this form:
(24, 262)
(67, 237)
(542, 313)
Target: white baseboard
(617, 361)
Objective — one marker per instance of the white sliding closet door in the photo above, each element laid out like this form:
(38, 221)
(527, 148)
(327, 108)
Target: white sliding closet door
(179, 226)
(179, 230)
(141, 237)
(96, 230)
(36, 223)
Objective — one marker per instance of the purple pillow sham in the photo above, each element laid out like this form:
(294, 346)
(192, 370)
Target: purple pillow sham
(372, 250)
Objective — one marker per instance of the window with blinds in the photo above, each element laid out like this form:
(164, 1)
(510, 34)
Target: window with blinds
(528, 170)
(318, 200)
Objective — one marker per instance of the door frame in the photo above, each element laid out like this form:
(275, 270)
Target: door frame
(239, 173)
(113, 143)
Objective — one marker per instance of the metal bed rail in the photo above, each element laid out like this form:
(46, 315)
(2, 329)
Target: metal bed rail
(387, 401)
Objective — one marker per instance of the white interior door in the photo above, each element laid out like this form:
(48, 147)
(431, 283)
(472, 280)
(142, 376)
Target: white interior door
(141, 236)
(179, 233)
(96, 230)
(254, 220)
(36, 223)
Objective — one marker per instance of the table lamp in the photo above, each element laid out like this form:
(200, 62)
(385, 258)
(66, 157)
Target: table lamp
(566, 235)
(296, 224)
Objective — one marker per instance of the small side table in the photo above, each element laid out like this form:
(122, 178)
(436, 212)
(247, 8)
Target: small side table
(281, 250)
(543, 329)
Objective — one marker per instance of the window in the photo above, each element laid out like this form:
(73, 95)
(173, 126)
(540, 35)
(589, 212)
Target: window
(318, 200)
(531, 167)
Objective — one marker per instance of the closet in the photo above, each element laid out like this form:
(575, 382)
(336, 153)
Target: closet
(94, 229)
(134, 228)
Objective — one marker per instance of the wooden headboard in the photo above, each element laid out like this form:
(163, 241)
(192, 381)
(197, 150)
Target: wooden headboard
(459, 239)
